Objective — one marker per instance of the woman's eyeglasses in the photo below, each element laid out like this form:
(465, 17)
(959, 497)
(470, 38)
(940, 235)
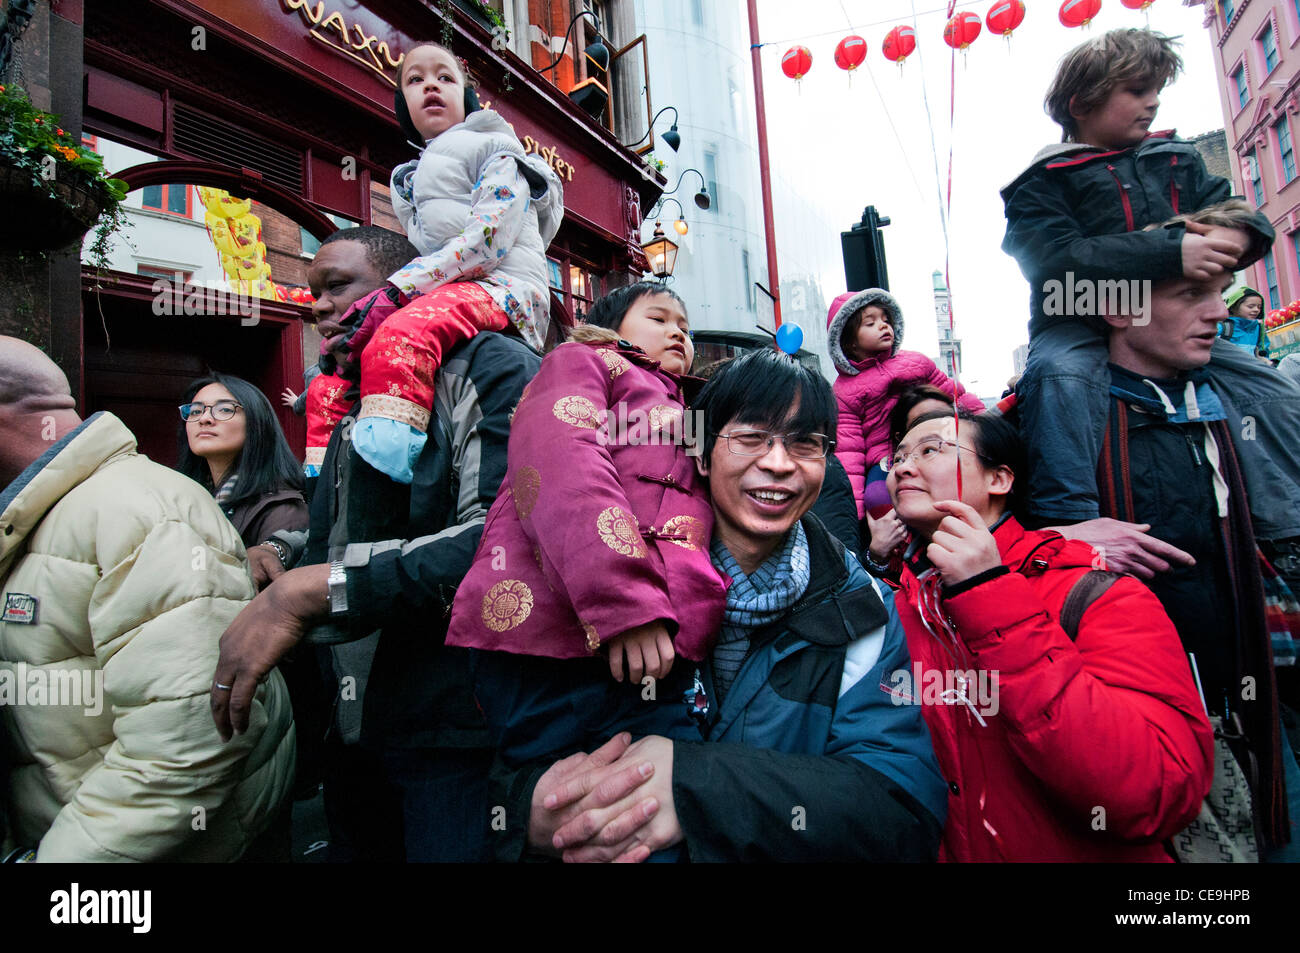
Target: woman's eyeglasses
(755, 443)
(221, 410)
(925, 450)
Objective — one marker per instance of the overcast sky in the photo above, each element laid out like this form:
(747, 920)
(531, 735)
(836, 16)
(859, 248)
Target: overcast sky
(838, 139)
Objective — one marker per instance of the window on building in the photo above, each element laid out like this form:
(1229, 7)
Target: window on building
(167, 274)
(555, 277)
(1270, 279)
(749, 281)
(1256, 179)
(1229, 9)
(711, 176)
(172, 199)
(1284, 148)
(1295, 247)
(1239, 82)
(1268, 46)
(311, 244)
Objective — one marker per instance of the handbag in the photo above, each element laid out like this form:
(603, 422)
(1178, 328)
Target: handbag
(1224, 831)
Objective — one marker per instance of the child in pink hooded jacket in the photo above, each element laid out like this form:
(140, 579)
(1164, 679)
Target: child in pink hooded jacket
(864, 333)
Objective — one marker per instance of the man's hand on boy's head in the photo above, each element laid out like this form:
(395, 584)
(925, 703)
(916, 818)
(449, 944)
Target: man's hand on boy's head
(1210, 250)
(648, 650)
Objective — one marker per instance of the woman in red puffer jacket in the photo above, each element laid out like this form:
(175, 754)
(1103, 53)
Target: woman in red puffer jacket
(1091, 748)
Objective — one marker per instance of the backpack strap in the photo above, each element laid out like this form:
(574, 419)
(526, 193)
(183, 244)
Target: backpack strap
(1086, 590)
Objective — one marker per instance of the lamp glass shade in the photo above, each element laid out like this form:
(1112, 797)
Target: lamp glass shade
(702, 199)
(598, 53)
(661, 252)
(673, 138)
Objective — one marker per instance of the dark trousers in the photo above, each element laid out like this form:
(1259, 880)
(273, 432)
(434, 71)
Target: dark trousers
(445, 807)
(550, 708)
(363, 809)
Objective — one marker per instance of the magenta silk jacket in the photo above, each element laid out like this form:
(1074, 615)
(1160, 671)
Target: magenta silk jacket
(602, 523)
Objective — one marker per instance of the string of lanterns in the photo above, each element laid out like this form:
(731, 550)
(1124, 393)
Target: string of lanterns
(1003, 18)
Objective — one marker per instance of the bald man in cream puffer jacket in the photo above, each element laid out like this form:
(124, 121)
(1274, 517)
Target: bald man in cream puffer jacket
(119, 576)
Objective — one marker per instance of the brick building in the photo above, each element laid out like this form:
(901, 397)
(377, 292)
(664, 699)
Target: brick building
(1256, 47)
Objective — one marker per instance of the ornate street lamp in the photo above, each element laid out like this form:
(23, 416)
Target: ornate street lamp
(661, 252)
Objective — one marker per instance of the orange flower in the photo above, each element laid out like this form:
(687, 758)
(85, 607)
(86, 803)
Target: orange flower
(59, 132)
(39, 120)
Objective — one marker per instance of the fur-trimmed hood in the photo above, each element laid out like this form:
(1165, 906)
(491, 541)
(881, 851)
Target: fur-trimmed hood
(849, 304)
(593, 334)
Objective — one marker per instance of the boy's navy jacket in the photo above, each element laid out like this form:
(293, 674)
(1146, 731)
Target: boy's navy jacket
(1082, 209)
(808, 757)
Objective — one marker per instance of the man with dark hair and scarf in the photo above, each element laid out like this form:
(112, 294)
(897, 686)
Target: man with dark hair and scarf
(789, 701)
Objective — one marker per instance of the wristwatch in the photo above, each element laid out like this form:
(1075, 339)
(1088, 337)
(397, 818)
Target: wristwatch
(337, 597)
(280, 550)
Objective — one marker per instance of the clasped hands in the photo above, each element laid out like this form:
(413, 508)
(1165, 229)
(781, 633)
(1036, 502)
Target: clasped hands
(615, 804)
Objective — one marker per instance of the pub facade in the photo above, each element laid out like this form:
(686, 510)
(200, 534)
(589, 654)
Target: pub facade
(288, 104)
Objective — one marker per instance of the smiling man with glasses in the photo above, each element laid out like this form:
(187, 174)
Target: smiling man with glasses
(793, 681)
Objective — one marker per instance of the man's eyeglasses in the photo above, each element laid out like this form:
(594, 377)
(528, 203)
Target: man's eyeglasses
(925, 450)
(755, 443)
(221, 410)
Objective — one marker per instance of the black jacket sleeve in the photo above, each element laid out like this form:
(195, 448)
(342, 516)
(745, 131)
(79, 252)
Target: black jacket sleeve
(737, 803)
(835, 505)
(402, 581)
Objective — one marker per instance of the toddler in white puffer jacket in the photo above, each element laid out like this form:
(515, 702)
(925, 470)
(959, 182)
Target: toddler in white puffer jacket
(481, 213)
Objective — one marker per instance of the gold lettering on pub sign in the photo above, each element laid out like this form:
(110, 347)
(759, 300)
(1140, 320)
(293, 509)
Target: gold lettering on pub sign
(332, 30)
(549, 154)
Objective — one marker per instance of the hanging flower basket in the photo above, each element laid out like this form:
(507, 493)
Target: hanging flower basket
(37, 220)
(52, 188)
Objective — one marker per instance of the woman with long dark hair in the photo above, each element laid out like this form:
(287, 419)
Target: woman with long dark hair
(231, 443)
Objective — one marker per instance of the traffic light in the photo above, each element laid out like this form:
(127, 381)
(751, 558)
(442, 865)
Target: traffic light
(864, 253)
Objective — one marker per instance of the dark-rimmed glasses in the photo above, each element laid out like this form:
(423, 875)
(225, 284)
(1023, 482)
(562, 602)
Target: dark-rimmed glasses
(221, 409)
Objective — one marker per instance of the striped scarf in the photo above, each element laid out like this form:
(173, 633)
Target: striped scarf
(755, 600)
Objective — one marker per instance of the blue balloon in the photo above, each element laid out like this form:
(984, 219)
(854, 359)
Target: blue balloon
(789, 338)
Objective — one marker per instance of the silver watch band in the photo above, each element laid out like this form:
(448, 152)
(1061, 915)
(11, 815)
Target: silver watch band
(338, 588)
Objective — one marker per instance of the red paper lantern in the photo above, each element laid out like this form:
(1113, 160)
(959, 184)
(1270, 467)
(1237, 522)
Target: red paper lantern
(1079, 12)
(962, 30)
(850, 52)
(900, 43)
(1005, 16)
(796, 62)
(1137, 4)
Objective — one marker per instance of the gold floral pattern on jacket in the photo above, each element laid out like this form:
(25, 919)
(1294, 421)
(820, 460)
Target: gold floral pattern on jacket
(593, 640)
(616, 362)
(528, 483)
(506, 605)
(664, 416)
(618, 531)
(577, 411)
(690, 527)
